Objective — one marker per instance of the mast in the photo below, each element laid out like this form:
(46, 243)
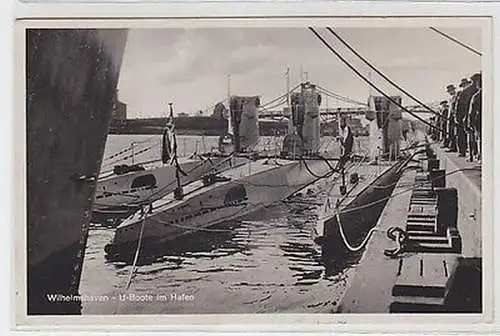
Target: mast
(229, 120)
(132, 147)
(370, 92)
(339, 116)
(288, 103)
(288, 87)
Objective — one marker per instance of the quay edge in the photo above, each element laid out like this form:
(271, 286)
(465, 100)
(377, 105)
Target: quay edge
(372, 199)
(450, 276)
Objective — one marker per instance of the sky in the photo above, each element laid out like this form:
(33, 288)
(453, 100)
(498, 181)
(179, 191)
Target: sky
(190, 67)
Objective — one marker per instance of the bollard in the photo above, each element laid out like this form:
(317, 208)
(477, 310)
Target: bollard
(438, 178)
(447, 209)
(432, 164)
(343, 190)
(178, 194)
(428, 150)
(354, 178)
(455, 240)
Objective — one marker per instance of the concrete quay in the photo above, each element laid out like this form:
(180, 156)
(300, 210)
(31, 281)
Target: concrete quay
(440, 268)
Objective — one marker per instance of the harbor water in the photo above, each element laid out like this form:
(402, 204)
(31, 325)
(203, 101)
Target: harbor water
(266, 262)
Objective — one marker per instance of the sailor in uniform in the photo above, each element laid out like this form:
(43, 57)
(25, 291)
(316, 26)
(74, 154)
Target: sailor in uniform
(462, 112)
(444, 123)
(346, 142)
(452, 140)
(475, 119)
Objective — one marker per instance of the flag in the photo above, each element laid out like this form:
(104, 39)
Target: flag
(168, 150)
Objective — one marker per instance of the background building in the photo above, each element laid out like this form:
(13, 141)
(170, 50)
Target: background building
(119, 109)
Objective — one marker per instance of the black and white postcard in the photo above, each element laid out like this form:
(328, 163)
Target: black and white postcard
(287, 172)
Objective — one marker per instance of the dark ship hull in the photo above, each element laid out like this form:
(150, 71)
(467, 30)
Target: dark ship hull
(71, 78)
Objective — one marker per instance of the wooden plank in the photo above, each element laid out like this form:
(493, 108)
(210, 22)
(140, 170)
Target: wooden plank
(422, 220)
(418, 307)
(410, 275)
(438, 269)
(412, 300)
(421, 233)
(429, 239)
(426, 275)
(434, 248)
(423, 192)
(420, 227)
(424, 200)
(416, 209)
(423, 196)
(422, 214)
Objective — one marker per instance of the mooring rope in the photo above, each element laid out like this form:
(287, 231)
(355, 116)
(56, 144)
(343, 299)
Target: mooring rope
(128, 148)
(341, 229)
(344, 238)
(137, 250)
(122, 159)
(410, 189)
(136, 258)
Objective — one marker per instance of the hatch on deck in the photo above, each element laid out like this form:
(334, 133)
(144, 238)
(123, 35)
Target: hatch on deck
(144, 181)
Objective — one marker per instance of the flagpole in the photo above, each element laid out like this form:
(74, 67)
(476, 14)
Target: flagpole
(288, 88)
(166, 152)
(288, 102)
(229, 126)
(229, 86)
(370, 78)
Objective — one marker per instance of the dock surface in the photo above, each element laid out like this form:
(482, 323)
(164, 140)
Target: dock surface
(443, 272)
(467, 180)
(370, 292)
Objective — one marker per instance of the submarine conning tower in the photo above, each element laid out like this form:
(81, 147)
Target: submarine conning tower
(244, 122)
(305, 140)
(385, 121)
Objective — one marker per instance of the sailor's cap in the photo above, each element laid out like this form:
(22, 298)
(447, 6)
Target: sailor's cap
(464, 82)
(450, 87)
(476, 77)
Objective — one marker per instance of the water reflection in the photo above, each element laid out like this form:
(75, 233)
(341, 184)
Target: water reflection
(219, 241)
(259, 231)
(266, 262)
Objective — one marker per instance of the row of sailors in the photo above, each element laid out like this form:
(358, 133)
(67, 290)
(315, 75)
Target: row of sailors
(458, 125)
